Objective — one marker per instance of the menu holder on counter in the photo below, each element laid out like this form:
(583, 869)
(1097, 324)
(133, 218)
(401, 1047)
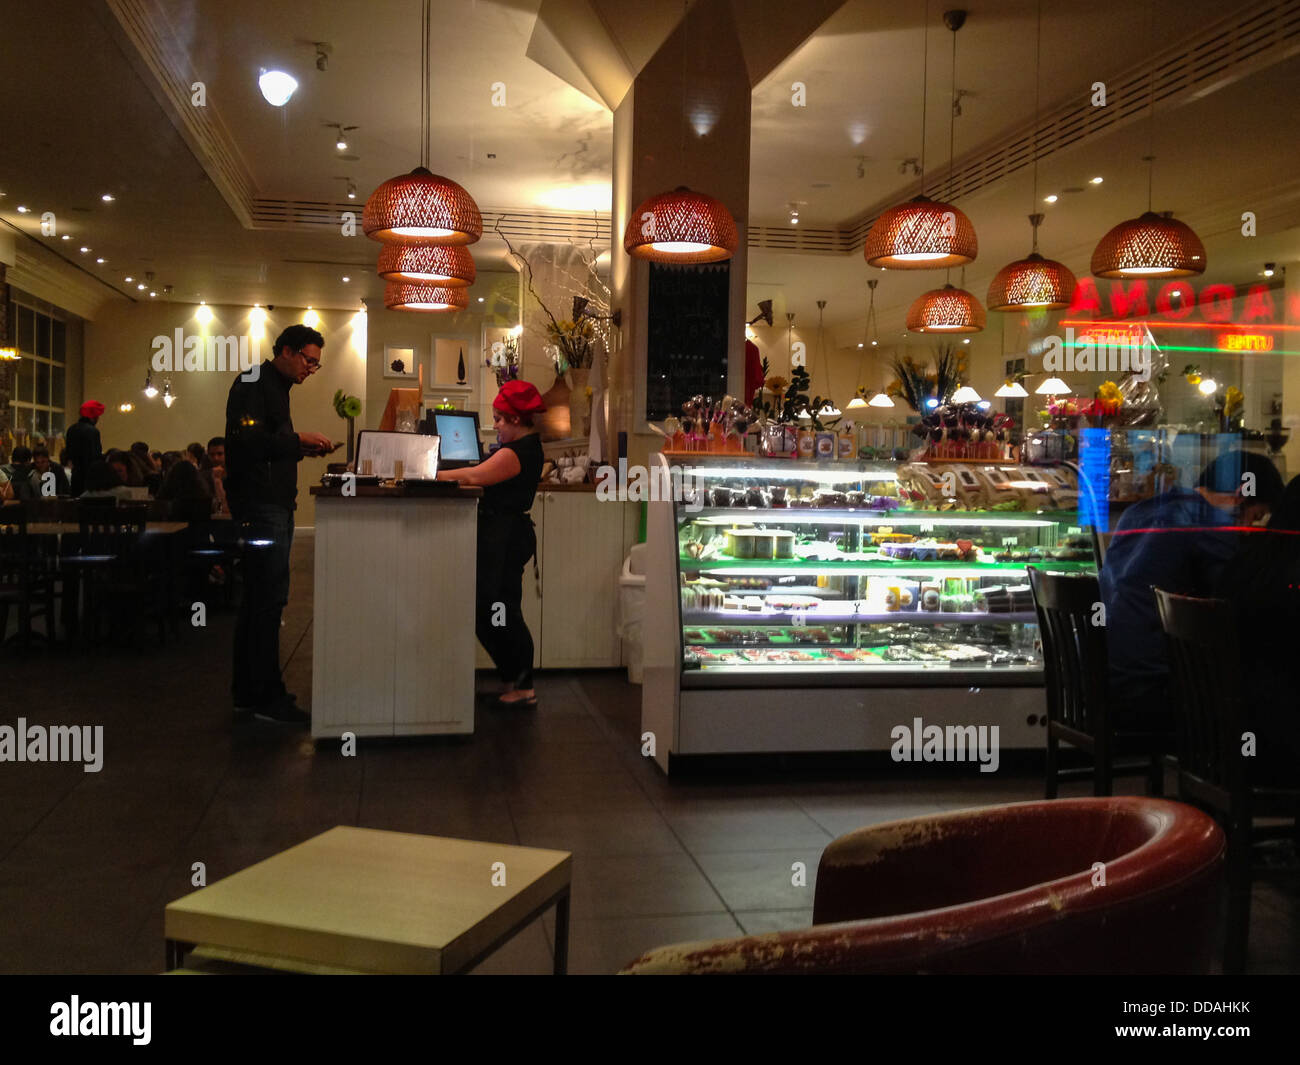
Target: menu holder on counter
(398, 456)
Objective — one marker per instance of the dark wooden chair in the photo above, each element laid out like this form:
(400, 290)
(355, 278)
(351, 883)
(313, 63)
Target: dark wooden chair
(117, 580)
(1079, 710)
(1205, 663)
(24, 580)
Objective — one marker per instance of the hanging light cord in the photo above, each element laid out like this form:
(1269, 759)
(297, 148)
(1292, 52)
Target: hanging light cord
(424, 86)
(952, 118)
(1151, 108)
(1038, 58)
(925, 83)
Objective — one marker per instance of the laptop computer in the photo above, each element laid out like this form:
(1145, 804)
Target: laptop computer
(458, 431)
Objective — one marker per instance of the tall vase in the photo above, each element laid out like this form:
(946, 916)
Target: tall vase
(351, 436)
(579, 404)
(554, 424)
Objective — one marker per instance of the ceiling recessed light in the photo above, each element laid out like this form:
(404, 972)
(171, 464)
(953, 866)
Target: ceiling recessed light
(277, 87)
(1095, 181)
(101, 260)
(152, 295)
(84, 249)
(346, 279)
(107, 197)
(142, 286)
(22, 209)
(66, 237)
(480, 299)
(128, 280)
(1050, 199)
(859, 345)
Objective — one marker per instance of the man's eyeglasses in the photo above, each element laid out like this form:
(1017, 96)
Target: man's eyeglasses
(312, 364)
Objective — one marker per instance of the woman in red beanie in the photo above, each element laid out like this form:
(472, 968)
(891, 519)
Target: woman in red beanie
(506, 538)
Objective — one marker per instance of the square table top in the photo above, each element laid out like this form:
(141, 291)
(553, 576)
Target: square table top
(375, 901)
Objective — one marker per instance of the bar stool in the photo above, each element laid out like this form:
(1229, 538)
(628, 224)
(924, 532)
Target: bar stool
(1205, 660)
(1078, 690)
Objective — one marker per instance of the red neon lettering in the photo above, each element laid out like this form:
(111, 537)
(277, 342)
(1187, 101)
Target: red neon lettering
(1176, 300)
(1216, 302)
(1259, 304)
(1086, 297)
(1134, 301)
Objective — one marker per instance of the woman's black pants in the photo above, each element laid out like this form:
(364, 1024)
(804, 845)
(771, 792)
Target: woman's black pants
(505, 544)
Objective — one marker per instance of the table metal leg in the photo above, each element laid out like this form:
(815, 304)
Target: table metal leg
(562, 935)
(176, 951)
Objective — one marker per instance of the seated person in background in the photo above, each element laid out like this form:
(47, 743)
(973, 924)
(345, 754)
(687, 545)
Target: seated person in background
(1179, 542)
(149, 469)
(42, 465)
(217, 469)
(168, 460)
(103, 479)
(188, 497)
(16, 476)
(1262, 582)
(122, 466)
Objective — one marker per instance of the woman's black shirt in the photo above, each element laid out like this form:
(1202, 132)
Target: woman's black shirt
(516, 495)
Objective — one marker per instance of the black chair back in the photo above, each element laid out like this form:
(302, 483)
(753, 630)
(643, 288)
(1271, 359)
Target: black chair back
(110, 530)
(1074, 654)
(15, 545)
(1205, 666)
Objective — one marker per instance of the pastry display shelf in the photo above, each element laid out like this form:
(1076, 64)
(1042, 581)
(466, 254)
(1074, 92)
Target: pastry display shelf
(842, 613)
(757, 567)
(864, 516)
(757, 676)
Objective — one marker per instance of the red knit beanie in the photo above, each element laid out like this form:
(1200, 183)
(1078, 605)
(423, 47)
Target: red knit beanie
(519, 398)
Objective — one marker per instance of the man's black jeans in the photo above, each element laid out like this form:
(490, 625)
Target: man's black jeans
(268, 534)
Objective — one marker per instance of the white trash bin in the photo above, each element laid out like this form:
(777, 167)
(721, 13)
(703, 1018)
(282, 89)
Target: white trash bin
(631, 609)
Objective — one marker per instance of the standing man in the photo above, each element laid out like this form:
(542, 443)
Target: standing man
(262, 455)
(84, 447)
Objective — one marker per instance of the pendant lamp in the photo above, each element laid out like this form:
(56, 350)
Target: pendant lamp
(946, 310)
(880, 399)
(859, 400)
(1011, 390)
(422, 207)
(406, 297)
(1033, 281)
(681, 227)
(1151, 245)
(1054, 386)
(966, 394)
(924, 234)
(429, 264)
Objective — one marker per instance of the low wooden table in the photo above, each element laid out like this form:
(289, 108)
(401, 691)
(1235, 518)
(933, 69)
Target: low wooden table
(364, 900)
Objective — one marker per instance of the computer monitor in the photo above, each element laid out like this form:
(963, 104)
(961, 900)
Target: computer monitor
(458, 430)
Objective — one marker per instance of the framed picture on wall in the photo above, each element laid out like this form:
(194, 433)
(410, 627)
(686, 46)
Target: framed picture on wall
(400, 363)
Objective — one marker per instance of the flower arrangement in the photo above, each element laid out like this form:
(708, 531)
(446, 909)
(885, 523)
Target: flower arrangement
(504, 360)
(573, 341)
(917, 387)
(348, 408)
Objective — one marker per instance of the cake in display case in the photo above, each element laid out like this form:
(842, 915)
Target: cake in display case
(910, 573)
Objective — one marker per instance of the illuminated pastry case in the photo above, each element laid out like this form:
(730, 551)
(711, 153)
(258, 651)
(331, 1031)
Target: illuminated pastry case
(794, 606)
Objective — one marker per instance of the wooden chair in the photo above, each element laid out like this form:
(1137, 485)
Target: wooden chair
(1078, 689)
(24, 580)
(117, 582)
(1205, 662)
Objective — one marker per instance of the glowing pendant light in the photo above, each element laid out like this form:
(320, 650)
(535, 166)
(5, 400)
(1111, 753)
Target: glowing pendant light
(966, 394)
(859, 400)
(1151, 245)
(406, 297)
(880, 399)
(681, 227)
(946, 310)
(429, 264)
(924, 234)
(1011, 390)
(1054, 386)
(422, 207)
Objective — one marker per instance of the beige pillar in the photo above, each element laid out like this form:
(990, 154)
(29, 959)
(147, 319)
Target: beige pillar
(1291, 370)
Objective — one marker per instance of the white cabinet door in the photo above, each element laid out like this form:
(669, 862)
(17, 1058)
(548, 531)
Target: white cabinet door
(582, 556)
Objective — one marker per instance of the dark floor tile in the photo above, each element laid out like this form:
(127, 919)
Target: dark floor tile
(743, 825)
(764, 880)
(598, 833)
(761, 922)
(641, 886)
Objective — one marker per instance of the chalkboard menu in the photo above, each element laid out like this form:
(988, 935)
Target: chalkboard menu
(687, 342)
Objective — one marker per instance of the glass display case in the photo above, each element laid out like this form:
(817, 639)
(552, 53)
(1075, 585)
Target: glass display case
(912, 573)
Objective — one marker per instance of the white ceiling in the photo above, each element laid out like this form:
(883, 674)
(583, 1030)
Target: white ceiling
(82, 118)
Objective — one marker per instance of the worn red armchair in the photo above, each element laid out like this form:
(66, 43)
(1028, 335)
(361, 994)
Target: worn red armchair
(1000, 889)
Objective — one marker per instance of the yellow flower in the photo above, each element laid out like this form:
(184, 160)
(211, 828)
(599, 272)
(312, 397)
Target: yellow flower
(1110, 392)
(587, 391)
(1232, 399)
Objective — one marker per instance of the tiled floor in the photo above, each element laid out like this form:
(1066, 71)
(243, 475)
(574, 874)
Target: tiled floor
(87, 861)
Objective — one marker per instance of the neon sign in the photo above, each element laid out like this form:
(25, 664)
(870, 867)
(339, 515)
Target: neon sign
(1244, 342)
(1176, 301)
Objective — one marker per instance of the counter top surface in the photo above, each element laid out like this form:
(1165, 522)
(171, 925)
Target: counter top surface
(442, 490)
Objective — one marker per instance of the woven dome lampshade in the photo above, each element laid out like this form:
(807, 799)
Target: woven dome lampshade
(1152, 245)
(946, 310)
(681, 227)
(1032, 282)
(405, 297)
(921, 234)
(427, 264)
(422, 208)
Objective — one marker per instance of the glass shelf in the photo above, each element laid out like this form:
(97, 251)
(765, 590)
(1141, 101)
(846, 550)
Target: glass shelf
(841, 613)
(750, 567)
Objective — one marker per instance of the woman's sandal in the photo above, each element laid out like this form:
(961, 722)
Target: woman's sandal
(507, 704)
